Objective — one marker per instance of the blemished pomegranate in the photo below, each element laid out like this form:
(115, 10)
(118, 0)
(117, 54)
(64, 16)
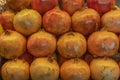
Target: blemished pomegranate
(102, 6)
(12, 44)
(6, 19)
(15, 70)
(110, 21)
(71, 45)
(44, 69)
(86, 21)
(103, 43)
(75, 70)
(57, 21)
(18, 4)
(71, 5)
(41, 44)
(27, 21)
(42, 6)
(104, 69)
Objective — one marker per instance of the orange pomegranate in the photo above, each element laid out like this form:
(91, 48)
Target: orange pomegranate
(103, 43)
(104, 69)
(15, 70)
(71, 5)
(44, 69)
(71, 45)
(85, 21)
(6, 19)
(18, 4)
(110, 21)
(41, 44)
(75, 70)
(12, 44)
(56, 21)
(27, 21)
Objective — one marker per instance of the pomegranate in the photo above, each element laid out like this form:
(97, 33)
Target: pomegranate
(72, 5)
(6, 19)
(57, 21)
(27, 21)
(71, 45)
(44, 69)
(12, 44)
(110, 21)
(86, 21)
(18, 4)
(27, 57)
(102, 6)
(75, 70)
(41, 44)
(104, 69)
(43, 6)
(15, 70)
(103, 43)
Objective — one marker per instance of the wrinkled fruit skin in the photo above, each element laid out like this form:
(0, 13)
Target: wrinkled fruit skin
(86, 21)
(101, 6)
(107, 69)
(71, 45)
(75, 70)
(41, 44)
(6, 20)
(15, 70)
(57, 21)
(72, 5)
(12, 44)
(43, 6)
(110, 21)
(18, 4)
(43, 69)
(103, 43)
(27, 21)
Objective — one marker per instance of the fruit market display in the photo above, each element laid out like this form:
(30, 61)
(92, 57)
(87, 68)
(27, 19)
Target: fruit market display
(59, 40)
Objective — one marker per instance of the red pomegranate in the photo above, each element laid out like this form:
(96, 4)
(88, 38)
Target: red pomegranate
(18, 4)
(41, 44)
(27, 57)
(12, 44)
(102, 6)
(71, 45)
(86, 21)
(57, 21)
(103, 43)
(43, 6)
(71, 5)
(110, 21)
(6, 20)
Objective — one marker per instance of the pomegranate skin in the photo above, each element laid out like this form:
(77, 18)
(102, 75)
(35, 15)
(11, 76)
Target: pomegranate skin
(103, 43)
(12, 44)
(102, 6)
(71, 45)
(15, 70)
(71, 6)
(57, 21)
(43, 6)
(110, 21)
(86, 21)
(41, 44)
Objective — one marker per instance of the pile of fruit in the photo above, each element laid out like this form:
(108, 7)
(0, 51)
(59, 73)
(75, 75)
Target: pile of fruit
(60, 40)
